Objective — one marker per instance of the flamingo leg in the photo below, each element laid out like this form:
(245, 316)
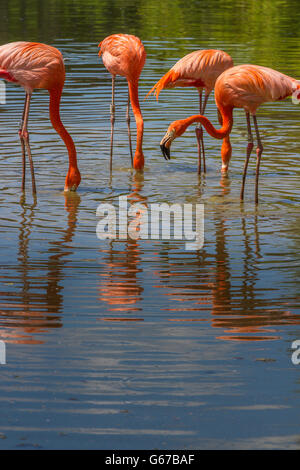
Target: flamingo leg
(112, 119)
(198, 132)
(128, 125)
(259, 151)
(24, 135)
(23, 149)
(202, 142)
(249, 150)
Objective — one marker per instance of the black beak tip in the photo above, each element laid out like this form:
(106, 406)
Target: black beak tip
(165, 152)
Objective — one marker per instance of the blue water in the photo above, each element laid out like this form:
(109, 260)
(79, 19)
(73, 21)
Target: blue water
(143, 344)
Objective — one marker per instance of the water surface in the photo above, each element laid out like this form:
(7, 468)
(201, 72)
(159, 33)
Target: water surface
(142, 344)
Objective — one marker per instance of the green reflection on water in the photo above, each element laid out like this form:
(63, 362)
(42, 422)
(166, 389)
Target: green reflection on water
(270, 27)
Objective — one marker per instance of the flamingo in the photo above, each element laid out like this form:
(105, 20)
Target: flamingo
(243, 86)
(124, 54)
(199, 69)
(34, 65)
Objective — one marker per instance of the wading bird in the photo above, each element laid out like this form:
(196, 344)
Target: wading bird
(198, 69)
(243, 86)
(124, 54)
(34, 65)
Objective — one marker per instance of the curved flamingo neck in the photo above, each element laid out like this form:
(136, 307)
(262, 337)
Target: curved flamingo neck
(73, 177)
(138, 162)
(225, 130)
(55, 96)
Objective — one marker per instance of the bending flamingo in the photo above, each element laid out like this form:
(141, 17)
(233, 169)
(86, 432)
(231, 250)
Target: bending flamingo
(124, 54)
(243, 86)
(34, 65)
(198, 69)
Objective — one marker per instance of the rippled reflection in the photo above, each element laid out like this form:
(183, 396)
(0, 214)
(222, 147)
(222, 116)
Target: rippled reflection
(35, 302)
(206, 284)
(140, 343)
(121, 288)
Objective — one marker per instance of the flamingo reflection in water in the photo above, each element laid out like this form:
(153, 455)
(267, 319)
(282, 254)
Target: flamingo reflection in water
(35, 304)
(206, 287)
(120, 287)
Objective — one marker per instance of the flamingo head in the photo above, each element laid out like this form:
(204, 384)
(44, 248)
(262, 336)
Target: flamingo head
(176, 129)
(72, 180)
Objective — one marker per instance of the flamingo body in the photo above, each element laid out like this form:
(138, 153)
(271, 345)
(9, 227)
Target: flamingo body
(249, 86)
(34, 65)
(198, 69)
(124, 54)
(243, 86)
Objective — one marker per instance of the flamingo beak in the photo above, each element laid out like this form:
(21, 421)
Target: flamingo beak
(165, 151)
(166, 144)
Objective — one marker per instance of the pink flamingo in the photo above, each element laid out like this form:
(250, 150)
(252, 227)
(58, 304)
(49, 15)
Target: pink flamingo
(34, 65)
(243, 86)
(124, 54)
(198, 69)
